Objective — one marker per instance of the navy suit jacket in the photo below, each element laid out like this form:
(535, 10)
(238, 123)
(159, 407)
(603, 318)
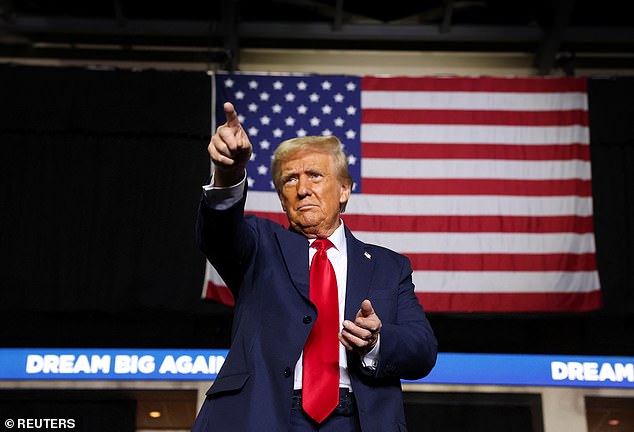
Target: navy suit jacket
(265, 265)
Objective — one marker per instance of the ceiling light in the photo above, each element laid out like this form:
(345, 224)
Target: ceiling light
(614, 422)
(154, 414)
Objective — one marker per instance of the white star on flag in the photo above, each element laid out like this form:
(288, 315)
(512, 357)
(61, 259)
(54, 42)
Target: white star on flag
(264, 145)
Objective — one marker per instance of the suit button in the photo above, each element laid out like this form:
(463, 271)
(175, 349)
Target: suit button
(287, 372)
(308, 319)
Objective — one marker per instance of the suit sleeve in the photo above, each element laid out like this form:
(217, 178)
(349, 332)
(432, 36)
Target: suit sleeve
(408, 345)
(226, 240)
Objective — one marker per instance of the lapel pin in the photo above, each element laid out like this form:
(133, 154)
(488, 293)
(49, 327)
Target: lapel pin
(367, 255)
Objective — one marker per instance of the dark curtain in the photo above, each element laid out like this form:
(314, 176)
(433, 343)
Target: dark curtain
(100, 176)
(100, 222)
(611, 112)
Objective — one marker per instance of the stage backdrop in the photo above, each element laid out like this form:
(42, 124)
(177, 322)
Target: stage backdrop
(100, 177)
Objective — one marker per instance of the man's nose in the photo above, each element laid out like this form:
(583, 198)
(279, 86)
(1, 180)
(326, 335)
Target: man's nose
(303, 186)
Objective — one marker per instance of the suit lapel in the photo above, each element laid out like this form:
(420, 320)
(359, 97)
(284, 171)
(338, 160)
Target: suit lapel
(360, 268)
(294, 249)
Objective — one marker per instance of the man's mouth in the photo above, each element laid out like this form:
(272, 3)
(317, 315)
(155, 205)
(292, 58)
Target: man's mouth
(304, 207)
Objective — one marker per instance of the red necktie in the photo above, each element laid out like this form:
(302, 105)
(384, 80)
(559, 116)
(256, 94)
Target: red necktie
(320, 382)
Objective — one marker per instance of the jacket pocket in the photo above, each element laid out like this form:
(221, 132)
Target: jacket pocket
(228, 384)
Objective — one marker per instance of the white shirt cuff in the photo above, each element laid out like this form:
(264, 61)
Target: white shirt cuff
(371, 359)
(221, 198)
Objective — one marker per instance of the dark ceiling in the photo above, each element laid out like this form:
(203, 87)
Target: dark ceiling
(561, 34)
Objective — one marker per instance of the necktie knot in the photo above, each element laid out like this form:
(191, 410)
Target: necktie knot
(322, 243)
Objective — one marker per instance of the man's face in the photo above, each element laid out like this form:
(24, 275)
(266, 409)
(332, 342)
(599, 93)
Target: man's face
(311, 193)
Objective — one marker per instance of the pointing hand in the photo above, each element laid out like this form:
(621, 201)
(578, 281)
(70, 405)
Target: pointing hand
(229, 149)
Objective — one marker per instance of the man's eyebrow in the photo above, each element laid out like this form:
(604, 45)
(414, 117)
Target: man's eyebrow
(315, 169)
(286, 175)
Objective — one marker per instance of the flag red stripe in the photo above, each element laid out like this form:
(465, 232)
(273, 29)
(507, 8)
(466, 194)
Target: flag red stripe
(476, 151)
(510, 302)
(503, 262)
(422, 186)
(480, 84)
(458, 224)
(473, 117)
(219, 293)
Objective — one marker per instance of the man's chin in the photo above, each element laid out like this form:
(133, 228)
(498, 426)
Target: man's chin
(306, 227)
(313, 228)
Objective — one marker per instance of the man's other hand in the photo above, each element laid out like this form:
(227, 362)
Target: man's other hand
(362, 334)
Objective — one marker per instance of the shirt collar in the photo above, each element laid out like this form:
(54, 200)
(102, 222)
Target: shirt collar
(338, 238)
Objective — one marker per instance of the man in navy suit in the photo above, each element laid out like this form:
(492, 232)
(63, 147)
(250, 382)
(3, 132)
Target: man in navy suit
(383, 332)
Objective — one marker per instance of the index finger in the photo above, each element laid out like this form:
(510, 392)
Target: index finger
(231, 115)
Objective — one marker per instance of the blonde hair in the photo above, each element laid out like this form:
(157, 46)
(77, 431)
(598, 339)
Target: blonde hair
(329, 145)
(321, 144)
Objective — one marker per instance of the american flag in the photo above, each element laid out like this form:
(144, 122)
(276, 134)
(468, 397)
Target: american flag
(483, 183)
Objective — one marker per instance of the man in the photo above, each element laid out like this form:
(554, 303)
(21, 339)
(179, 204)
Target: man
(378, 335)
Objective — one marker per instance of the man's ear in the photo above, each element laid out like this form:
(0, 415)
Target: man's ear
(346, 189)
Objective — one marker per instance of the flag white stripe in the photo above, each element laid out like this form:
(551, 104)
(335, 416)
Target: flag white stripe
(473, 134)
(475, 169)
(447, 100)
(440, 205)
(495, 243)
(505, 282)
(211, 274)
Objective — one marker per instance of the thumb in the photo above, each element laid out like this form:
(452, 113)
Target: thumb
(366, 308)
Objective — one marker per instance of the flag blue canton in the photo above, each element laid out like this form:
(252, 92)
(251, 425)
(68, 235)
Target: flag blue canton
(274, 108)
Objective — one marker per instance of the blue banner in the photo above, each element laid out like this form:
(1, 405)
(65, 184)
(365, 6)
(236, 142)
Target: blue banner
(532, 370)
(202, 365)
(110, 364)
